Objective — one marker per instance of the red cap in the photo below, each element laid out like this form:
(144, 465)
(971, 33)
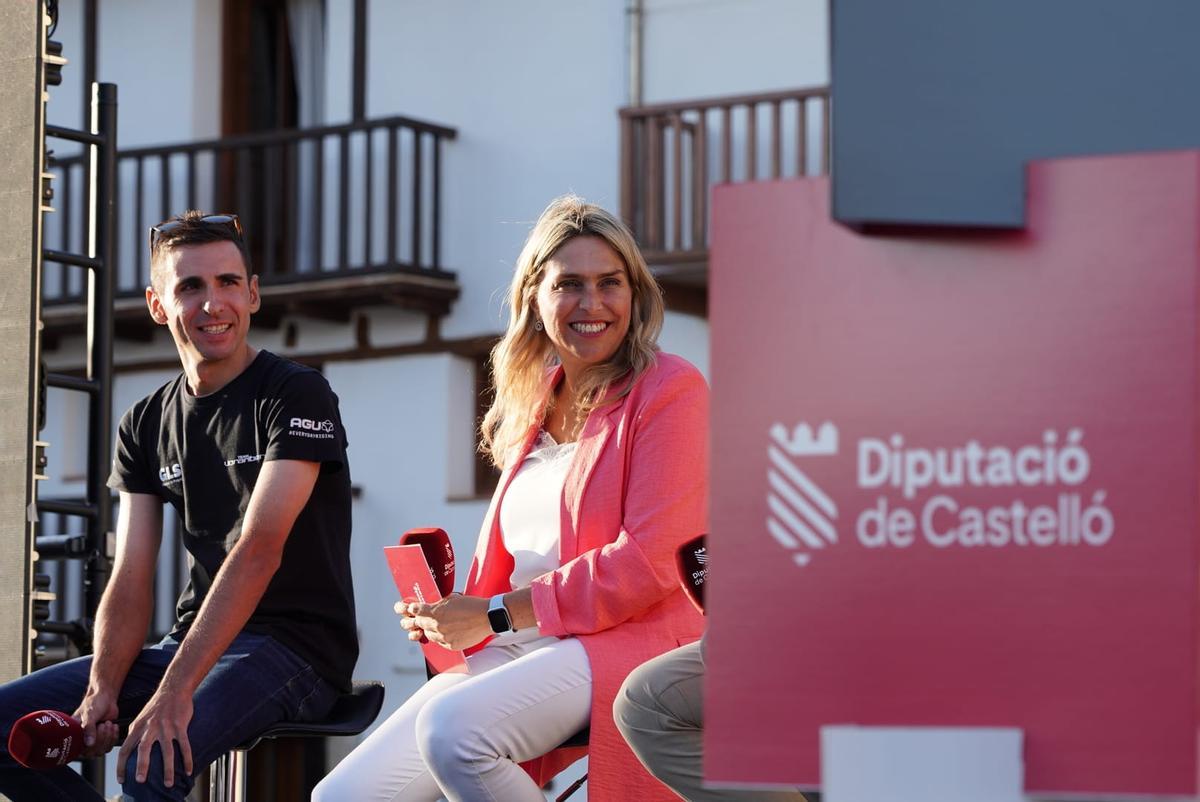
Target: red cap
(45, 739)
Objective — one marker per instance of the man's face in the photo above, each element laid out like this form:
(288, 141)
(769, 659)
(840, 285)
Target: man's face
(205, 298)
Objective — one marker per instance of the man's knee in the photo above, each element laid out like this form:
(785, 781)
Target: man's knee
(155, 787)
(662, 695)
(635, 709)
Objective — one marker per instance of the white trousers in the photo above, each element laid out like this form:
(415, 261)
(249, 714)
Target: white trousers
(461, 735)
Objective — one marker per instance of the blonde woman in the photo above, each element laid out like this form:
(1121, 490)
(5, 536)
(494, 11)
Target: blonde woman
(603, 444)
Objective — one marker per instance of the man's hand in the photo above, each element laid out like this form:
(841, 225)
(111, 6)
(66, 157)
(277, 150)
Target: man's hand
(97, 713)
(455, 622)
(163, 721)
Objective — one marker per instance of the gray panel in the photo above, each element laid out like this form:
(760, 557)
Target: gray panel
(19, 134)
(938, 104)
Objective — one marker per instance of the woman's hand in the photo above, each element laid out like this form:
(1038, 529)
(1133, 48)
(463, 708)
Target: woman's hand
(455, 622)
(408, 624)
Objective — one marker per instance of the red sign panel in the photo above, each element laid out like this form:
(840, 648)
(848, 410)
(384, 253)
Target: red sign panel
(956, 479)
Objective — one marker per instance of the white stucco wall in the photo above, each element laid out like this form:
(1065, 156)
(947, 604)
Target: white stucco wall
(165, 61)
(532, 87)
(706, 48)
(399, 457)
(65, 105)
(168, 71)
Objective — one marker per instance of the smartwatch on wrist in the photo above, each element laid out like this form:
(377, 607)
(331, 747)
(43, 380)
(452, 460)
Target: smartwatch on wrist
(498, 615)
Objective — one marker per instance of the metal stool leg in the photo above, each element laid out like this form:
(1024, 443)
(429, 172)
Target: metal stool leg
(237, 786)
(571, 789)
(216, 777)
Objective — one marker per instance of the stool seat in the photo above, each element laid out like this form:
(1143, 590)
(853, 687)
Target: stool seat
(351, 714)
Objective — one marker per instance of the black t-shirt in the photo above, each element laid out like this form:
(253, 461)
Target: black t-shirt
(203, 455)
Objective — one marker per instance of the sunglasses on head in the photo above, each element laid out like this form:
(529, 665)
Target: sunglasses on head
(229, 221)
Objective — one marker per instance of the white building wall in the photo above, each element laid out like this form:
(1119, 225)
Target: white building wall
(532, 87)
(166, 63)
(707, 48)
(164, 58)
(398, 456)
(66, 99)
(687, 336)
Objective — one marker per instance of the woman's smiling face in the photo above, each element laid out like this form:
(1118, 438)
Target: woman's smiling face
(584, 302)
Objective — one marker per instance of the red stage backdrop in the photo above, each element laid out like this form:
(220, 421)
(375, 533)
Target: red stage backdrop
(955, 478)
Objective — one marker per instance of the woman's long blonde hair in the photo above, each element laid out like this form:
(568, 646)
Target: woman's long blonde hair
(519, 361)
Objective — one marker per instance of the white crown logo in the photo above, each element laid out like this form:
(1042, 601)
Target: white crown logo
(800, 515)
(702, 555)
(802, 443)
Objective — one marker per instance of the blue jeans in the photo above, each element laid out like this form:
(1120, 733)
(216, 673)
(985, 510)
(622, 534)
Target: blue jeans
(256, 683)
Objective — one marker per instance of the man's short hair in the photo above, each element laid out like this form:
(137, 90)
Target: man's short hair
(193, 228)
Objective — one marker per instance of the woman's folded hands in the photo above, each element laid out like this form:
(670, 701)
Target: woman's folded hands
(455, 622)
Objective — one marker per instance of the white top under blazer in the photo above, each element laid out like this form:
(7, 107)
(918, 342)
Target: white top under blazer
(531, 517)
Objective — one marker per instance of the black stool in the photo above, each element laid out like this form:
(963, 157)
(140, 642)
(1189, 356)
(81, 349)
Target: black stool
(351, 714)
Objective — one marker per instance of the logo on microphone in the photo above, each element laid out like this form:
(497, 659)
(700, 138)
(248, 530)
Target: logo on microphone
(801, 514)
(700, 575)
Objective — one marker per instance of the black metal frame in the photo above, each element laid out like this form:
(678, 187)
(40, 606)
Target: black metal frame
(99, 262)
(358, 86)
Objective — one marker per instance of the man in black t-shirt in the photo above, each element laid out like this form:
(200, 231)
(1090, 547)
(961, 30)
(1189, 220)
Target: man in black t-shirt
(250, 450)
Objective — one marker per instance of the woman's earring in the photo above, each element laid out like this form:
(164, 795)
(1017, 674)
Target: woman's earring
(537, 325)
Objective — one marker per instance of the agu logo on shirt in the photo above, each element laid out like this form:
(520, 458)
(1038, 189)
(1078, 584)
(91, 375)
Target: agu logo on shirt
(306, 427)
(170, 474)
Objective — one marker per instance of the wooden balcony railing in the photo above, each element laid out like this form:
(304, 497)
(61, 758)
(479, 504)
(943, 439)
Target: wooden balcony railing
(672, 153)
(317, 204)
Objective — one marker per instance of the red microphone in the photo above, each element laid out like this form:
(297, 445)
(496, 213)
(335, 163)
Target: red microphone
(45, 739)
(435, 545)
(692, 562)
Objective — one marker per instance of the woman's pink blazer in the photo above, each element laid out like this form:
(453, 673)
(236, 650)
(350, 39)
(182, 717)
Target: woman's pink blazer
(637, 488)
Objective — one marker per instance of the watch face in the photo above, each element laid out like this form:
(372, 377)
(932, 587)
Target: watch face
(499, 620)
